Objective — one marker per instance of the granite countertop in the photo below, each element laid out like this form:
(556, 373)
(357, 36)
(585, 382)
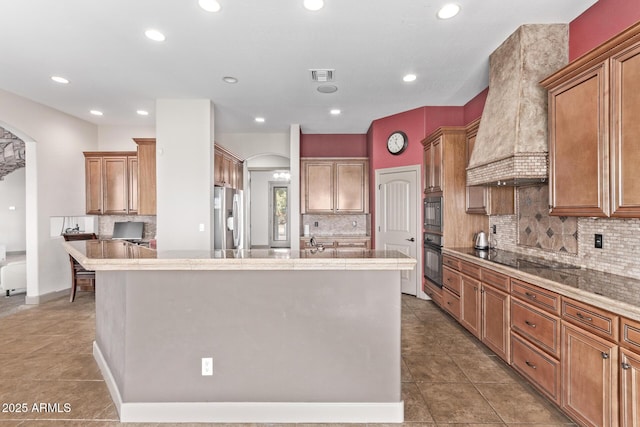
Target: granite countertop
(618, 294)
(337, 236)
(119, 255)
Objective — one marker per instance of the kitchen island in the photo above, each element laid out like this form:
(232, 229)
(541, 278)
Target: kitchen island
(309, 336)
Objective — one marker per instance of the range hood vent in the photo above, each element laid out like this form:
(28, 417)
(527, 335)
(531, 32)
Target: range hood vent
(511, 147)
(325, 75)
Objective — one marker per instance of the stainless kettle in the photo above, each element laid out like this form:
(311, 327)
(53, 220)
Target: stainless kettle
(482, 241)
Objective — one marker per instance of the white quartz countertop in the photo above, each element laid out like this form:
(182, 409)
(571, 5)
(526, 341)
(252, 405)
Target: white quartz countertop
(118, 255)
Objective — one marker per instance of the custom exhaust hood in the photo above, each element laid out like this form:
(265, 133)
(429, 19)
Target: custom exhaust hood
(511, 147)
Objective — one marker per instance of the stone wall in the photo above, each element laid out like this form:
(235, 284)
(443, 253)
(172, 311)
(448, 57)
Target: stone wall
(12, 156)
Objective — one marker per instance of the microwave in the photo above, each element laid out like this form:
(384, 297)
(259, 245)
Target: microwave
(433, 213)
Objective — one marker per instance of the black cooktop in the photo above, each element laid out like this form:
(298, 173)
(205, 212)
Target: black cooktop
(518, 261)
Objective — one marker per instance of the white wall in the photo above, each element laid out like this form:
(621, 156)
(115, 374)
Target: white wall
(259, 214)
(294, 190)
(13, 222)
(120, 138)
(246, 145)
(184, 170)
(55, 187)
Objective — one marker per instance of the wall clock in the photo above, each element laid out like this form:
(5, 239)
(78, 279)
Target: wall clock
(397, 142)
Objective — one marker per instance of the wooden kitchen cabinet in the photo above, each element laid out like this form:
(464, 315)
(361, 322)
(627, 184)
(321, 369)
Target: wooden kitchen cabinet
(108, 180)
(146, 176)
(594, 136)
(433, 165)
(629, 388)
(334, 186)
(470, 305)
(227, 168)
(495, 320)
(589, 377)
(482, 199)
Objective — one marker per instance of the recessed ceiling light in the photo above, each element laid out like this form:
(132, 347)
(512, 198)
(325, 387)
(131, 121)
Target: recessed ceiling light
(209, 5)
(335, 111)
(448, 11)
(409, 78)
(327, 88)
(155, 35)
(142, 112)
(59, 79)
(259, 119)
(230, 79)
(96, 112)
(313, 4)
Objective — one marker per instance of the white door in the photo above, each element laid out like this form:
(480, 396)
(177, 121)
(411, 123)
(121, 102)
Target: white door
(397, 219)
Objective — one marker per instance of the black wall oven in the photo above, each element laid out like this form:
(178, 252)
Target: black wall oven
(433, 214)
(433, 258)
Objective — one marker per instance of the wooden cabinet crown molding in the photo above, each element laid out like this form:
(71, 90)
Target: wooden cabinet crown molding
(436, 134)
(110, 153)
(145, 141)
(227, 152)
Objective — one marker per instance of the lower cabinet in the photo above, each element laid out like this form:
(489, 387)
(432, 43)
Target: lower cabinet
(629, 388)
(495, 320)
(589, 377)
(470, 304)
(451, 303)
(542, 370)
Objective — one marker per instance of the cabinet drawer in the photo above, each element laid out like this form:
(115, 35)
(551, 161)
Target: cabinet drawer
(451, 280)
(451, 303)
(630, 334)
(542, 370)
(362, 244)
(470, 269)
(495, 279)
(590, 318)
(536, 296)
(537, 326)
(450, 261)
(433, 292)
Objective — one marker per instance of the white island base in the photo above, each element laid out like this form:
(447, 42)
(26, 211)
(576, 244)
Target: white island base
(287, 345)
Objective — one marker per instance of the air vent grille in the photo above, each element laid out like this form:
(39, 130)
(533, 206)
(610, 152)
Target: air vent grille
(326, 75)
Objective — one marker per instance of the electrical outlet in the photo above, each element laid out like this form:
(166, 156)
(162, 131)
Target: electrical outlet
(598, 241)
(315, 224)
(207, 366)
(493, 229)
(201, 227)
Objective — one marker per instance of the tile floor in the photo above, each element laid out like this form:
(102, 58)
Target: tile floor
(448, 378)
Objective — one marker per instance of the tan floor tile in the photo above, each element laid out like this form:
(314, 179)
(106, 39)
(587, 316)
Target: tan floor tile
(516, 403)
(481, 368)
(405, 374)
(417, 413)
(457, 403)
(472, 425)
(435, 368)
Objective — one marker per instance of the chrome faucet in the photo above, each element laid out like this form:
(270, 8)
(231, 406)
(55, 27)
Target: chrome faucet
(312, 241)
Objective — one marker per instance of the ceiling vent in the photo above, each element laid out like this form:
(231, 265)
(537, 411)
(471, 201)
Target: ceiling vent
(322, 75)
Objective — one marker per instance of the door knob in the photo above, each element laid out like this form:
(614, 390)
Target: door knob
(411, 239)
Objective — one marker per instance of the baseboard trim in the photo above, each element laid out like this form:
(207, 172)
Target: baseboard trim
(248, 412)
(39, 299)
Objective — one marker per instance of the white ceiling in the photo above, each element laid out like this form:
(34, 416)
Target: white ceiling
(99, 45)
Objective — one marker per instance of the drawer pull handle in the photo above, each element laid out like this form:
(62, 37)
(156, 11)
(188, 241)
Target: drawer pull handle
(583, 317)
(626, 366)
(448, 302)
(533, 325)
(529, 364)
(605, 355)
(530, 295)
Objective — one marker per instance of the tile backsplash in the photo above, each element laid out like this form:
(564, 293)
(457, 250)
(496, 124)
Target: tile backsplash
(328, 225)
(105, 225)
(621, 239)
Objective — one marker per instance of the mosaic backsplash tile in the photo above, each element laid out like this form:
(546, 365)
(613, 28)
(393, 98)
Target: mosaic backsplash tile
(329, 225)
(538, 229)
(105, 225)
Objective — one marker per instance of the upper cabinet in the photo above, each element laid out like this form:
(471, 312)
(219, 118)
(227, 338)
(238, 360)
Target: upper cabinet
(109, 177)
(482, 199)
(433, 165)
(228, 169)
(594, 135)
(334, 185)
(146, 178)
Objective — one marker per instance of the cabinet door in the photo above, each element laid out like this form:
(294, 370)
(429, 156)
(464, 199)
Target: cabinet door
(218, 175)
(239, 176)
(132, 205)
(146, 177)
(589, 377)
(228, 171)
(351, 194)
(115, 185)
(433, 166)
(318, 187)
(625, 135)
(578, 145)
(93, 181)
(470, 304)
(629, 388)
(495, 321)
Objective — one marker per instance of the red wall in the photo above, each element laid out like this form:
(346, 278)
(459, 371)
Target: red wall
(599, 23)
(473, 109)
(333, 145)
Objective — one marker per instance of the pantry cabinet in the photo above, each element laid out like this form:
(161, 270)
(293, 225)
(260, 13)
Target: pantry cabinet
(111, 183)
(334, 186)
(594, 137)
(146, 176)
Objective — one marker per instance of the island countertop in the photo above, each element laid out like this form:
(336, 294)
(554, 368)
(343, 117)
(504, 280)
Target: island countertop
(120, 255)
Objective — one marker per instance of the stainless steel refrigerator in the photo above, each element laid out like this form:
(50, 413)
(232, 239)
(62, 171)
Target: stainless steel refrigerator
(227, 218)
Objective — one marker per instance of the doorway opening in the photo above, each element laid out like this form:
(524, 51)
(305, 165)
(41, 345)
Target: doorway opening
(279, 217)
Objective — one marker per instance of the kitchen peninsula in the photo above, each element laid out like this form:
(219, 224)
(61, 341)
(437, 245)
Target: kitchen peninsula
(308, 336)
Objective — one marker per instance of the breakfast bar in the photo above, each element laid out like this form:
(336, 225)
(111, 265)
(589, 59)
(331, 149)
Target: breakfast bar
(287, 336)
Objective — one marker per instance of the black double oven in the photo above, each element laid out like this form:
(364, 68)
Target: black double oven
(433, 240)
